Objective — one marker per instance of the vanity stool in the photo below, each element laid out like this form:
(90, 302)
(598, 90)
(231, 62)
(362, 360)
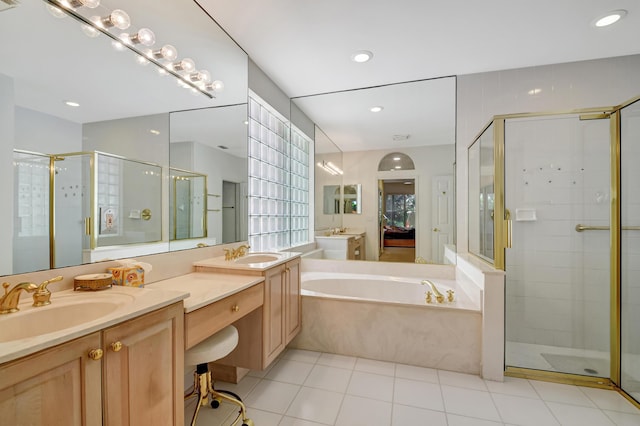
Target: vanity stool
(212, 349)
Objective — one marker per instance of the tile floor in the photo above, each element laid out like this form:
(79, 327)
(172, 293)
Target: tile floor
(304, 388)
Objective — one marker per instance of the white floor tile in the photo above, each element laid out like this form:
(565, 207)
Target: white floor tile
(456, 420)
(301, 355)
(241, 389)
(271, 396)
(565, 394)
(469, 402)
(328, 378)
(417, 373)
(609, 400)
(370, 385)
(291, 421)
(364, 411)
(404, 415)
(376, 367)
(523, 411)
(316, 405)
(264, 418)
(623, 419)
(461, 380)
(574, 415)
(339, 361)
(207, 415)
(418, 394)
(289, 371)
(513, 386)
(261, 373)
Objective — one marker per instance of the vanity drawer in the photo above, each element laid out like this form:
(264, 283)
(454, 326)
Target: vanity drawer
(206, 321)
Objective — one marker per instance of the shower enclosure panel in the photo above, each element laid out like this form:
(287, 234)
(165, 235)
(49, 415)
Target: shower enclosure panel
(557, 194)
(630, 249)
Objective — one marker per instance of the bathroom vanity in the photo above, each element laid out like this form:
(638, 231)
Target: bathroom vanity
(97, 372)
(343, 246)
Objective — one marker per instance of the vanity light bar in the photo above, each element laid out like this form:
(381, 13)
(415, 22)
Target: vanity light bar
(200, 82)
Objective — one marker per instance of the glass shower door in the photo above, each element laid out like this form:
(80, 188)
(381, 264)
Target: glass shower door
(630, 250)
(557, 184)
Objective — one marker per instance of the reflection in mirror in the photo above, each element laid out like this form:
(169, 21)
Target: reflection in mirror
(331, 199)
(327, 183)
(212, 142)
(94, 97)
(418, 120)
(187, 205)
(352, 199)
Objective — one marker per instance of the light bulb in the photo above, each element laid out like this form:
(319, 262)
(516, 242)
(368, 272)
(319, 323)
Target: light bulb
(186, 65)
(167, 52)
(117, 45)
(144, 36)
(56, 11)
(200, 76)
(118, 18)
(216, 85)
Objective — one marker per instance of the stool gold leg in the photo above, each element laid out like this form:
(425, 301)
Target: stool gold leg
(202, 391)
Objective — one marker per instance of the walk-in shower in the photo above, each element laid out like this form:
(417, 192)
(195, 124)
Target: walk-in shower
(553, 201)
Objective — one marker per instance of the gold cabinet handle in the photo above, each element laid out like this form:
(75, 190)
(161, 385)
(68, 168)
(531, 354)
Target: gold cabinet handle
(235, 308)
(116, 346)
(96, 354)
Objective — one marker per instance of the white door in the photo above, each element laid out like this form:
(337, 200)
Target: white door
(441, 216)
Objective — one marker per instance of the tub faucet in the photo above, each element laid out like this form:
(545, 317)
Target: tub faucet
(9, 301)
(439, 296)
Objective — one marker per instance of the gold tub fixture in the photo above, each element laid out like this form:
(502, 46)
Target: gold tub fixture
(232, 254)
(42, 295)
(9, 301)
(439, 296)
(450, 295)
(428, 297)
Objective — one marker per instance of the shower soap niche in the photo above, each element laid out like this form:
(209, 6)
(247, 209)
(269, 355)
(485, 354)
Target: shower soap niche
(526, 215)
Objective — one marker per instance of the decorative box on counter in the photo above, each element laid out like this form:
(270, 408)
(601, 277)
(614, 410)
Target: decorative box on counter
(130, 274)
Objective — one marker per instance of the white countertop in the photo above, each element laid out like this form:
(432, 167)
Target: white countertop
(139, 301)
(206, 287)
(220, 262)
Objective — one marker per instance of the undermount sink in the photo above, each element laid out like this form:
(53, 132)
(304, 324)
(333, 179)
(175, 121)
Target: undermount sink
(258, 258)
(66, 312)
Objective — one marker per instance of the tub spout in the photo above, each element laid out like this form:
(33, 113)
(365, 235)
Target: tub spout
(439, 296)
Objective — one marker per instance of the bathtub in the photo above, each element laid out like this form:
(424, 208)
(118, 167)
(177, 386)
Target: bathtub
(386, 318)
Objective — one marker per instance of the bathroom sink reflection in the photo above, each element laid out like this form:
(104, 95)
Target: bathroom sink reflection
(66, 312)
(258, 258)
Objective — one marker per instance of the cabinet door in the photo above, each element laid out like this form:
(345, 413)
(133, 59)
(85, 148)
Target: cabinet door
(143, 370)
(293, 300)
(58, 386)
(274, 314)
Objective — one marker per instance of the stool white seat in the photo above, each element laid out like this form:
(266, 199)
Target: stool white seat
(209, 350)
(213, 348)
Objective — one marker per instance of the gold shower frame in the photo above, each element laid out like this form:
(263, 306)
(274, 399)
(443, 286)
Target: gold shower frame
(502, 238)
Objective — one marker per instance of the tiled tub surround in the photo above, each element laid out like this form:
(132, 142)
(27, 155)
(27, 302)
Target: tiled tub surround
(447, 336)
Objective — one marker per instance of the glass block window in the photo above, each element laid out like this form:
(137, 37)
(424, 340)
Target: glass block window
(31, 173)
(108, 176)
(269, 177)
(300, 145)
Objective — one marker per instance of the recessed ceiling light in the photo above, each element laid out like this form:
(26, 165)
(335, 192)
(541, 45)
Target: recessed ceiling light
(535, 91)
(609, 18)
(71, 104)
(396, 158)
(361, 56)
(376, 109)
(154, 131)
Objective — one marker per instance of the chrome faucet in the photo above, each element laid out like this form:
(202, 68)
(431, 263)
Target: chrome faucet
(42, 295)
(9, 301)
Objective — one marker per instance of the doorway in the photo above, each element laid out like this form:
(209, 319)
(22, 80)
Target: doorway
(230, 196)
(398, 220)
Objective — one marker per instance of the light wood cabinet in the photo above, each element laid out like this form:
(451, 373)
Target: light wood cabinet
(293, 301)
(136, 379)
(143, 370)
(57, 386)
(273, 314)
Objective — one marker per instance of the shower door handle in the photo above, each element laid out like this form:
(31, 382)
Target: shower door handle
(509, 228)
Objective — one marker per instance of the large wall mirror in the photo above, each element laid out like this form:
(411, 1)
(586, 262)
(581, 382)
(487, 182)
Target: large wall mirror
(327, 183)
(414, 118)
(85, 129)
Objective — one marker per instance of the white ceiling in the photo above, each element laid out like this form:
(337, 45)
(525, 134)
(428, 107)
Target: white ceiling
(305, 47)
